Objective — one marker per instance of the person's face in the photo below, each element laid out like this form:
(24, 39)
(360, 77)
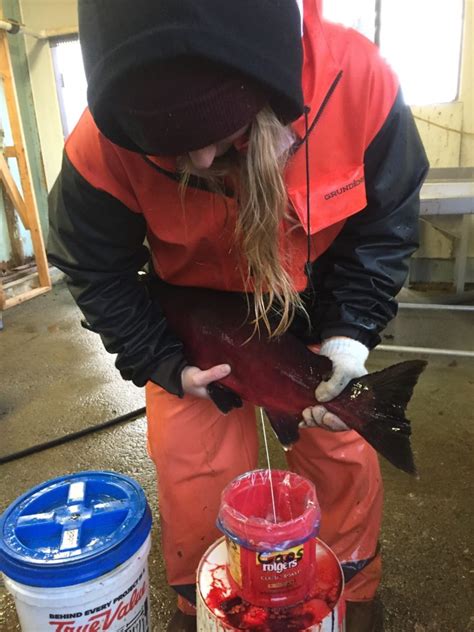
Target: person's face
(203, 158)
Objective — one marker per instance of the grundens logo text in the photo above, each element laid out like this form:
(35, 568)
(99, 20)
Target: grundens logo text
(344, 189)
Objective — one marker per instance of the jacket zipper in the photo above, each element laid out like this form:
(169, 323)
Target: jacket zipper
(319, 113)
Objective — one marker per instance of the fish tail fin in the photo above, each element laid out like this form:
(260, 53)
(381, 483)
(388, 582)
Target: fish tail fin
(381, 399)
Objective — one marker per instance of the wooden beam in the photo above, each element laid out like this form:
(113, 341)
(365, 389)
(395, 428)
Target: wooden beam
(18, 253)
(31, 281)
(32, 217)
(62, 32)
(10, 152)
(26, 296)
(13, 193)
(2, 297)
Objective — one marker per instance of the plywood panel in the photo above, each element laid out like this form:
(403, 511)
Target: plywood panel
(46, 104)
(440, 127)
(42, 15)
(49, 14)
(467, 87)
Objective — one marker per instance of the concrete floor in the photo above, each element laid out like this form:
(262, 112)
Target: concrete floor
(55, 378)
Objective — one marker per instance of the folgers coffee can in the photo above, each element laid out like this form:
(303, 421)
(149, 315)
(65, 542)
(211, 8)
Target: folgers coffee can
(74, 554)
(221, 609)
(270, 519)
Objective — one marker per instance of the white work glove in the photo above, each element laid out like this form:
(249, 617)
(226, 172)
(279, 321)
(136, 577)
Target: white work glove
(348, 358)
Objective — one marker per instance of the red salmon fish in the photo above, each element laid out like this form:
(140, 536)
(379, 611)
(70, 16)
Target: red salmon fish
(281, 374)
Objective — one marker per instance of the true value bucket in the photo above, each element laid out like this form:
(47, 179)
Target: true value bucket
(270, 519)
(73, 553)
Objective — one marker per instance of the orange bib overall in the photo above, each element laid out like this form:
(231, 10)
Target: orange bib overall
(197, 450)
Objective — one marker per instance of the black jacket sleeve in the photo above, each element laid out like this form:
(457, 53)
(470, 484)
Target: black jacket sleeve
(99, 243)
(356, 280)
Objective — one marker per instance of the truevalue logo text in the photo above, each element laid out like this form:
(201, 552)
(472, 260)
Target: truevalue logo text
(103, 620)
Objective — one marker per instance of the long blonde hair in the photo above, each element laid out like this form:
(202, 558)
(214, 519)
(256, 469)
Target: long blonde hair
(258, 176)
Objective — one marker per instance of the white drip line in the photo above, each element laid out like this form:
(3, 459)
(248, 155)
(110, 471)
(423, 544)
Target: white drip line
(272, 491)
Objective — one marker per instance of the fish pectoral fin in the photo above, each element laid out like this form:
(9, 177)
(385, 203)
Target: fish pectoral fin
(224, 397)
(285, 426)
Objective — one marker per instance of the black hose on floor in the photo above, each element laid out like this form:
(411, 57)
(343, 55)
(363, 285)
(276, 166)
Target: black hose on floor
(70, 437)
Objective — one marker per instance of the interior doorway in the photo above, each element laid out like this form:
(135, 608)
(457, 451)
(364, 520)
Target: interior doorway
(70, 81)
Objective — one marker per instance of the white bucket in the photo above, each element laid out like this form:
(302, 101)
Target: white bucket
(116, 601)
(212, 572)
(74, 555)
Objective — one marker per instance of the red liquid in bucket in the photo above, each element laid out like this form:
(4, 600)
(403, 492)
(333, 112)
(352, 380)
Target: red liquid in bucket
(271, 564)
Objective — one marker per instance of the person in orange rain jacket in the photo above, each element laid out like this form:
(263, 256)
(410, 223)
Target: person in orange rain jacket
(210, 126)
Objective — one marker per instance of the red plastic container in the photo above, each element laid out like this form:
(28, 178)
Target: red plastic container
(271, 564)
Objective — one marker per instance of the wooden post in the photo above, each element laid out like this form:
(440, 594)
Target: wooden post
(18, 254)
(2, 304)
(25, 204)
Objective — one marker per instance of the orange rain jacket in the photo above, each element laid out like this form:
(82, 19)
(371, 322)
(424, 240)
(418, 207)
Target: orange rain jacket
(366, 168)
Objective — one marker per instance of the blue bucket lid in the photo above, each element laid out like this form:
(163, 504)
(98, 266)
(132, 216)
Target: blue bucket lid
(73, 529)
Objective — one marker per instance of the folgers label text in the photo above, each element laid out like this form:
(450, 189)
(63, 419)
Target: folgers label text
(272, 579)
(278, 562)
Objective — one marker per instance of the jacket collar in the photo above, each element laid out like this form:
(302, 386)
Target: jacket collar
(320, 68)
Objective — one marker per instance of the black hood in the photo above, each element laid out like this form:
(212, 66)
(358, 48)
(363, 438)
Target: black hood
(259, 38)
